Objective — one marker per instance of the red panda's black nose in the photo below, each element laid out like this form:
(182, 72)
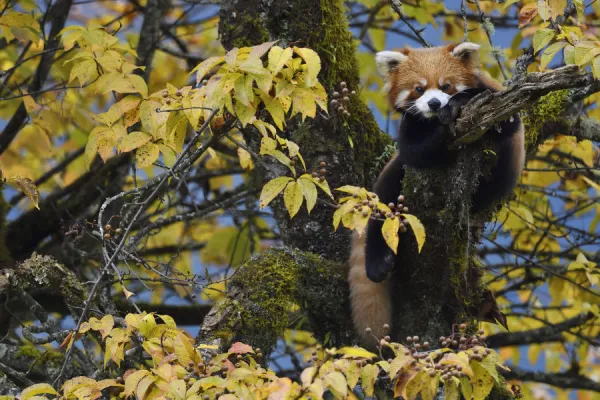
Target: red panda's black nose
(434, 104)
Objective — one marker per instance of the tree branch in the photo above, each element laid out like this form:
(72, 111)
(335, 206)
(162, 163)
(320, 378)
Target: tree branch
(549, 333)
(488, 109)
(563, 380)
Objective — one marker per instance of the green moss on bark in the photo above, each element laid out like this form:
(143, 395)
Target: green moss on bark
(265, 289)
(549, 108)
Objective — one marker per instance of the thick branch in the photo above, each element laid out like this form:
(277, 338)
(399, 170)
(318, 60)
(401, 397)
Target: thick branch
(545, 334)
(564, 380)
(488, 109)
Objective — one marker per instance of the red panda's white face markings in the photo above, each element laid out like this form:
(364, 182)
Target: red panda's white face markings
(422, 80)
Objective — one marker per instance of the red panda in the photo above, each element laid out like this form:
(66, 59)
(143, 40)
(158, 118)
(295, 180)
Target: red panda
(428, 86)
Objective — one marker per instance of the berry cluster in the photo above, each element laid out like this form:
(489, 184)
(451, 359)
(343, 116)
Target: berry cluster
(165, 94)
(340, 101)
(462, 341)
(110, 231)
(321, 173)
(395, 209)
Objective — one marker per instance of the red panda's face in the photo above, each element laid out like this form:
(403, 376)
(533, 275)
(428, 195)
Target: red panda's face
(420, 81)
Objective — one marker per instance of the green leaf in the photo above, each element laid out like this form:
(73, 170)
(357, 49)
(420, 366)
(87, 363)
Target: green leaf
(542, 37)
(292, 198)
(85, 71)
(417, 228)
(585, 52)
(278, 57)
(550, 52)
(390, 232)
(272, 189)
(309, 191)
(133, 141)
(596, 67)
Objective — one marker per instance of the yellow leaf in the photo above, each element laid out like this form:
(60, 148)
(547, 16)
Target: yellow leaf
(28, 187)
(356, 352)
(303, 101)
(178, 130)
(36, 390)
(292, 198)
(245, 159)
(368, 376)
(146, 155)
(272, 189)
(361, 218)
(482, 381)
(343, 210)
(169, 156)
(244, 113)
(143, 386)
(323, 185)
(337, 382)
(127, 84)
(390, 232)
(544, 9)
(309, 191)
(278, 57)
(261, 49)
(147, 324)
(451, 389)
(106, 324)
(127, 293)
(133, 141)
(417, 228)
(243, 89)
(416, 385)
(85, 71)
(205, 66)
(313, 64)
(275, 108)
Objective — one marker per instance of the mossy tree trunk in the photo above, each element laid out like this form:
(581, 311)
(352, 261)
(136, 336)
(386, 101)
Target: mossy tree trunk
(432, 290)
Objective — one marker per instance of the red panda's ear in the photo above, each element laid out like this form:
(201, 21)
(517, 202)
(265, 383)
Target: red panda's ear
(388, 60)
(467, 52)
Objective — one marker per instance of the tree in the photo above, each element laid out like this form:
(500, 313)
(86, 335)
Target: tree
(140, 140)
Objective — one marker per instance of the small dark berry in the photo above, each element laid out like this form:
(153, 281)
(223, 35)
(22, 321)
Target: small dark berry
(462, 327)
(322, 171)
(340, 109)
(118, 230)
(409, 339)
(401, 198)
(344, 91)
(346, 99)
(386, 327)
(334, 103)
(463, 340)
(336, 95)
(405, 209)
(353, 93)
(343, 84)
(193, 295)
(368, 331)
(107, 236)
(107, 227)
(179, 93)
(387, 339)
(391, 206)
(321, 179)
(322, 164)
(315, 175)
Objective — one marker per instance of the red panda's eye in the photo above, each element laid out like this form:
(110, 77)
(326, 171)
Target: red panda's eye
(420, 89)
(446, 87)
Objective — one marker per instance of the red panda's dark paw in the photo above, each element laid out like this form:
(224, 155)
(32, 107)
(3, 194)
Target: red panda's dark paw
(377, 270)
